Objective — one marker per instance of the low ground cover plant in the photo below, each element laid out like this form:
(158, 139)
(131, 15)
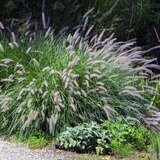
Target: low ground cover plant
(110, 137)
(36, 143)
(36, 140)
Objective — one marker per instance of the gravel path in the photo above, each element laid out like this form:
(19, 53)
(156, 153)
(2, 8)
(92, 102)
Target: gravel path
(10, 151)
(16, 151)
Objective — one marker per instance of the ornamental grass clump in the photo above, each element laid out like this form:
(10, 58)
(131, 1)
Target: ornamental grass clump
(51, 84)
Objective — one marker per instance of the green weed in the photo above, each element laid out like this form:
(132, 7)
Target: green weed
(36, 143)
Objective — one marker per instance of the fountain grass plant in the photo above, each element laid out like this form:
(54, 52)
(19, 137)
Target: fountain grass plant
(50, 84)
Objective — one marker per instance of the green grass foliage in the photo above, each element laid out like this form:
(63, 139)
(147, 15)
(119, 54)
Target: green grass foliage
(48, 84)
(155, 142)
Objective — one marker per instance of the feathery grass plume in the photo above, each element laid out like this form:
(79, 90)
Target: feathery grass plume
(4, 65)
(1, 48)
(76, 79)
(1, 25)
(35, 62)
(11, 45)
(32, 116)
(13, 37)
(52, 122)
(29, 49)
(6, 60)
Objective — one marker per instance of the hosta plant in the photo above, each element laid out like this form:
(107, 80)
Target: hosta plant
(50, 84)
(110, 137)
